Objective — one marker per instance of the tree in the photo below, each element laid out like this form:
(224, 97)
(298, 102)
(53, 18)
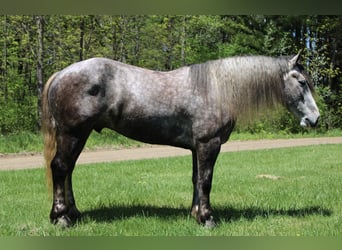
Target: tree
(40, 65)
(34, 47)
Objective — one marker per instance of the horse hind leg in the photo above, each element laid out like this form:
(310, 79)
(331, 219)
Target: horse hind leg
(73, 213)
(69, 146)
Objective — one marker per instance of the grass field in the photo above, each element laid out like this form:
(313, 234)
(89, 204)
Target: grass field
(152, 197)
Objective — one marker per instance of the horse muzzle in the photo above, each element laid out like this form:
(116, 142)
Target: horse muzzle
(310, 121)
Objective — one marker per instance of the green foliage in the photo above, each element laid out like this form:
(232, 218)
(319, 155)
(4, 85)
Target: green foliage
(277, 41)
(23, 142)
(162, 42)
(18, 108)
(278, 122)
(242, 36)
(330, 105)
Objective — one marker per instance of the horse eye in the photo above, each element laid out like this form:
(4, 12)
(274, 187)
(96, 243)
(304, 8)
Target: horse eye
(294, 75)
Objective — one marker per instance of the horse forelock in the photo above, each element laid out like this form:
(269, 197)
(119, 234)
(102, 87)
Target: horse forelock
(244, 84)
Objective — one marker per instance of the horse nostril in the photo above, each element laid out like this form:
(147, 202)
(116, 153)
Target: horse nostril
(308, 122)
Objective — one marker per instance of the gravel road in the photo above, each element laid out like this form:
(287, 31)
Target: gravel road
(25, 161)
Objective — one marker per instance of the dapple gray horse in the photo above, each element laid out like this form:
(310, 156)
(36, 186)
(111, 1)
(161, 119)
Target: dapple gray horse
(193, 107)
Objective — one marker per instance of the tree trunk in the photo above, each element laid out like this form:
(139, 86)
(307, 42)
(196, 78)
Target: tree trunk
(4, 73)
(169, 44)
(81, 49)
(123, 28)
(183, 41)
(40, 66)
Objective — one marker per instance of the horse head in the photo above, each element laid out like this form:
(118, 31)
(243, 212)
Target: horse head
(298, 94)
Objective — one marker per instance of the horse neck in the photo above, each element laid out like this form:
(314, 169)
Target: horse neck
(251, 84)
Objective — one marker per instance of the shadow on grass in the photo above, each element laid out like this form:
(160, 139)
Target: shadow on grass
(223, 214)
(232, 214)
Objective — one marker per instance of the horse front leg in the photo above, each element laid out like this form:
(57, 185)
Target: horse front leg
(204, 159)
(195, 199)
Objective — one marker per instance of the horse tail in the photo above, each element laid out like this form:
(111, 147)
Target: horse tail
(49, 132)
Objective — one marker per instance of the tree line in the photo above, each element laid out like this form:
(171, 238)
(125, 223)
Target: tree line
(34, 47)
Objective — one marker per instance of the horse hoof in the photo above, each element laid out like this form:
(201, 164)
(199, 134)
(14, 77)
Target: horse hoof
(63, 221)
(210, 223)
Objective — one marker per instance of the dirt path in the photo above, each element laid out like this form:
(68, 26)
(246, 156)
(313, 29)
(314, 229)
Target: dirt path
(12, 162)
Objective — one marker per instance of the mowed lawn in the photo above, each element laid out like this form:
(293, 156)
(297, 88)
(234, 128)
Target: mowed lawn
(292, 191)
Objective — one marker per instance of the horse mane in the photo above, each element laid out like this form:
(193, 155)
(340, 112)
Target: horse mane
(245, 85)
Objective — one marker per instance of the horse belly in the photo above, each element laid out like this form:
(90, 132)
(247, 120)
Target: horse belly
(165, 130)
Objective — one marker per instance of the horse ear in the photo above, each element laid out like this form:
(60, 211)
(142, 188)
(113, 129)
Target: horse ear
(295, 59)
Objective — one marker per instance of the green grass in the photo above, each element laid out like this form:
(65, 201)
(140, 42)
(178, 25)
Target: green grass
(284, 135)
(152, 197)
(21, 142)
(26, 142)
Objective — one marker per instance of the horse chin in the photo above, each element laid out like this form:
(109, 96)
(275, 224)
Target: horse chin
(304, 123)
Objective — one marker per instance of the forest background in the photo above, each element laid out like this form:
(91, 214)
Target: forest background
(34, 47)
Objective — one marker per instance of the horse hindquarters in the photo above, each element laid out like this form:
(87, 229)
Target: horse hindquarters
(204, 158)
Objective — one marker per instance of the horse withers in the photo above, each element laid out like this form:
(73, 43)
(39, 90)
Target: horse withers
(193, 107)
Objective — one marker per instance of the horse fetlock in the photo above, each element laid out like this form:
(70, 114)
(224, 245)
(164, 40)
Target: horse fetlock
(194, 211)
(58, 209)
(65, 217)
